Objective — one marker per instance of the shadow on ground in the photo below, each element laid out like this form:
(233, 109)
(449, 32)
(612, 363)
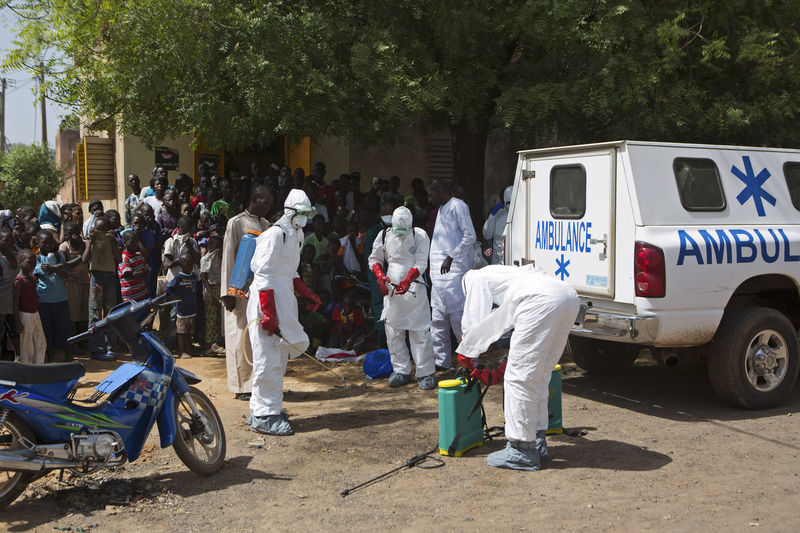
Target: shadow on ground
(358, 418)
(682, 394)
(90, 495)
(577, 452)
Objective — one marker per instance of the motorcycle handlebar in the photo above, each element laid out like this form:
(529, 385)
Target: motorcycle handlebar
(113, 317)
(81, 336)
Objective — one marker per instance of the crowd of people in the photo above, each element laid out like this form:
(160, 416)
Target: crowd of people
(187, 235)
(333, 266)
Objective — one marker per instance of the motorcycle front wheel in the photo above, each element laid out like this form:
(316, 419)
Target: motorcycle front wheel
(199, 441)
(12, 482)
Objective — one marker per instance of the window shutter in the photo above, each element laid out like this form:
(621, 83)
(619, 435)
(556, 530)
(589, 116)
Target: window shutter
(440, 157)
(95, 166)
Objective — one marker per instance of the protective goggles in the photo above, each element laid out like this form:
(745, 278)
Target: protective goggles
(303, 210)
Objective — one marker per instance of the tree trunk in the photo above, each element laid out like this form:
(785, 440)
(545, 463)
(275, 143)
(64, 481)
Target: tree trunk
(469, 154)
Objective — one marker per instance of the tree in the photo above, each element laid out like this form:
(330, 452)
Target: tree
(29, 176)
(550, 71)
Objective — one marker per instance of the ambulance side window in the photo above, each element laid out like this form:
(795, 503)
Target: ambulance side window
(568, 191)
(791, 172)
(699, 186)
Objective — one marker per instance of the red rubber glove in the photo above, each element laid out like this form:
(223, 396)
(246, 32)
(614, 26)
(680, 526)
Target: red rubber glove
(466, 362)
(383, 279)
(404, 285)
(490, 377)
(269, 321)
(304, 292)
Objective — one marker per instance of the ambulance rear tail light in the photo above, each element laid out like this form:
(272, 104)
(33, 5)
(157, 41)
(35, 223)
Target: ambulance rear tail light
(648, 271)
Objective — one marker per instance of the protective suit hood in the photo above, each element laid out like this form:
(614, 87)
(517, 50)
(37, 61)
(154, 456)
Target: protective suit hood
(297, 202)
(402, 221)
(507, 194)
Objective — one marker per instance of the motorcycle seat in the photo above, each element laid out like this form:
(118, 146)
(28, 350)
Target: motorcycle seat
(50, 373)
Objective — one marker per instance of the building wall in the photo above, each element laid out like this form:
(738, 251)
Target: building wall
(407, 159)
(65, 159)
(334, 152)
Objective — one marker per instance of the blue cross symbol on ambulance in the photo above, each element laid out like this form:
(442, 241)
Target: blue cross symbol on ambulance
(753, 185)
(562, 267)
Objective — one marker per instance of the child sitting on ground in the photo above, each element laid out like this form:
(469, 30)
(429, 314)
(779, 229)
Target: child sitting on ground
(184, 287)
(32, 342)
(133, 269)
(50, 274)
(348, 330)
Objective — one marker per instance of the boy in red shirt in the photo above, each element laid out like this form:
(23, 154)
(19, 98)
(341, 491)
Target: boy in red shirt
(133, 270)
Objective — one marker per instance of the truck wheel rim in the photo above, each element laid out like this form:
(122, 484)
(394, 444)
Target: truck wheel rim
(766, 360)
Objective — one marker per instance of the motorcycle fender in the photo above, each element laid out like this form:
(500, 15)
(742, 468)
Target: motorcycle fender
(190, 378)
(166, 419)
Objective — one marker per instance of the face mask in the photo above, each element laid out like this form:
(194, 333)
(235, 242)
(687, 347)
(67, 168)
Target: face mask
(400, 232)
(387, 219)
(299, 221)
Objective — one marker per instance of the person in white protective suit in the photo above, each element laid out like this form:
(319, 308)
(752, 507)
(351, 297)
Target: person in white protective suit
(405, 303)
(451, 257)
(541, 309)
(495, 225)
(274, 329)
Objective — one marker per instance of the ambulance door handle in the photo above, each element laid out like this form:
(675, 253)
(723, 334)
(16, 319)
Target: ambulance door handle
(603, 255)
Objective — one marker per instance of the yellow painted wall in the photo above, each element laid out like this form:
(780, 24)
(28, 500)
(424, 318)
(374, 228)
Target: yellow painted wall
(299, 155)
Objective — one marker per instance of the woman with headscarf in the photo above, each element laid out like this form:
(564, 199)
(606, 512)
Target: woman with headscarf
(50, 218)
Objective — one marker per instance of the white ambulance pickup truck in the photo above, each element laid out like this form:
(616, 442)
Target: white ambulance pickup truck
(688, 250)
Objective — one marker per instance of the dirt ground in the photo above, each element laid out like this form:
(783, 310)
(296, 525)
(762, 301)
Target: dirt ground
(660, 453)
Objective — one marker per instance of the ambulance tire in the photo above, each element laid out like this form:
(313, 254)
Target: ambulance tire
(602, 357)
(731, 358)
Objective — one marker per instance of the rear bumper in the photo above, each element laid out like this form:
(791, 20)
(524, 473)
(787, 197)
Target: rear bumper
(615, 326)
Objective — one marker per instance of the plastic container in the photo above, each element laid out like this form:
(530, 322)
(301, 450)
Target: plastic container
(455, 403)
(240, 277)
(555, 423)
(377, 364)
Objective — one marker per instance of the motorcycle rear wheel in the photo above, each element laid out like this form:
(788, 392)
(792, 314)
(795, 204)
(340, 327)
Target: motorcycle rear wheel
(200, 450)
(12, 482)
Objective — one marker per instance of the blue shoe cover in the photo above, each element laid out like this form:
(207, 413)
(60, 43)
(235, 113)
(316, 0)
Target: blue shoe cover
(541, 446)
(397, 380)
(427, 382)
(515, 458)
(270, 425)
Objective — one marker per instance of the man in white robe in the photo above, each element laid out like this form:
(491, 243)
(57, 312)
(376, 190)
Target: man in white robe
(452, 255)
(239, 367)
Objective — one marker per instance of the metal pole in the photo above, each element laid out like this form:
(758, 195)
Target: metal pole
(44, 110)
(3, 117)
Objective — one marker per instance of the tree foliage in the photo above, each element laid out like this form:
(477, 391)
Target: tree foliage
(29, 176)
(236, 73)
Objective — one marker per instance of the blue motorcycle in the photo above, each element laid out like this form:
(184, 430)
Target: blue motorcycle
(43, 427)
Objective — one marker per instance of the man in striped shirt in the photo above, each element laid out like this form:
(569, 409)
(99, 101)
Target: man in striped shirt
(133, 270)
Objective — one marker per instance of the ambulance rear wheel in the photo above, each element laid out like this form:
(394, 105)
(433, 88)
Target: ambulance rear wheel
(602, 357)
(754, 358)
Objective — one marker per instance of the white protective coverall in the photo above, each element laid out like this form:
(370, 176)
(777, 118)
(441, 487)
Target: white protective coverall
(274, 265)
(494, 229)
(541, 309)
(454, 236)
(405, 312)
